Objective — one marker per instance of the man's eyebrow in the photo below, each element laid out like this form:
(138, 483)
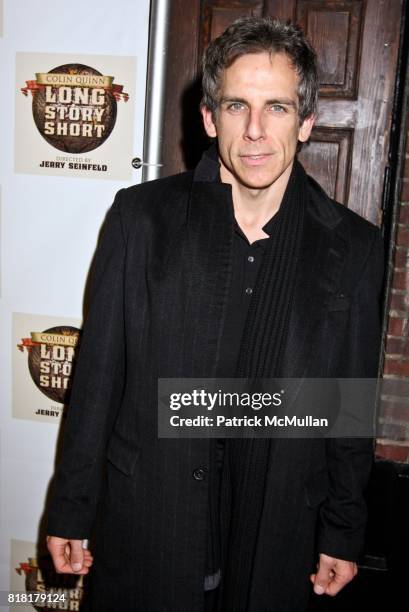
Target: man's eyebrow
(225, 99)
(283, 101)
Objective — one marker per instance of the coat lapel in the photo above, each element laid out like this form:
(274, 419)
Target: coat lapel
(322, 256)
(207, 274)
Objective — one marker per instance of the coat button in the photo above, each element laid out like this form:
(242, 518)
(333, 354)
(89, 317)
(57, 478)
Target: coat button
(199, 474)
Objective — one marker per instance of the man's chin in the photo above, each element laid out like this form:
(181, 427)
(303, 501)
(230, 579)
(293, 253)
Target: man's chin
(257, 183)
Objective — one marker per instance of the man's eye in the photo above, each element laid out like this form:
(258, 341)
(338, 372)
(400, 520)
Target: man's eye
(277, 108)
(236, 106)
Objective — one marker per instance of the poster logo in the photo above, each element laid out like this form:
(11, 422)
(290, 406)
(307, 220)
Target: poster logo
(76, 117)
(51, 360)
(74, 106)
(44, 351)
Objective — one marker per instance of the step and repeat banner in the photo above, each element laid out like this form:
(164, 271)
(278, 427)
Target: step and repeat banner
(72, 104)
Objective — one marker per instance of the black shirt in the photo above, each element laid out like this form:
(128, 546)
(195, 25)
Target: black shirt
(246, 262)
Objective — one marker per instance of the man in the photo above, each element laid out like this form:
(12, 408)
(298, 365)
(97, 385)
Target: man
(243, 268)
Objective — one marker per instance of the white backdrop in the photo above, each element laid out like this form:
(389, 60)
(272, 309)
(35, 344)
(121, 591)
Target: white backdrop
(49, 227)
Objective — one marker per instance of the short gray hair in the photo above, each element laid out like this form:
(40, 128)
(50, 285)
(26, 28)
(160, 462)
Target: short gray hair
(257, 35)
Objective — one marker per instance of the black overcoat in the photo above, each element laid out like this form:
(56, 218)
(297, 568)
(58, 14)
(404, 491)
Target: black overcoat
(157, 304)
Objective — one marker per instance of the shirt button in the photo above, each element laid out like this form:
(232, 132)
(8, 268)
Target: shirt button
(199, 474)
(250, 258)
(249, 290)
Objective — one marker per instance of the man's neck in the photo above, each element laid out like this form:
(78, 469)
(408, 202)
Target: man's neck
(253, 208)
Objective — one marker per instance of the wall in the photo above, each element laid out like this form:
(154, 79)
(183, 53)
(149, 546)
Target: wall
(393, 443)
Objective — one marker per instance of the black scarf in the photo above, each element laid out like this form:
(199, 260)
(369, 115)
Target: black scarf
(246, 460)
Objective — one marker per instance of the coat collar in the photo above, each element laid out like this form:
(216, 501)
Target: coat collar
(208, 168)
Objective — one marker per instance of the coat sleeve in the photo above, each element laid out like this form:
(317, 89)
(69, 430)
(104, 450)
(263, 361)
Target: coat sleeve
(343, 514)
(96, 391)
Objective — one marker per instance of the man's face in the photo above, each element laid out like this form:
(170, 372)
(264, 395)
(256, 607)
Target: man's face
(257, 123)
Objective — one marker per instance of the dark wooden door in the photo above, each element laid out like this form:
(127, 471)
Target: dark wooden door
(357, 44)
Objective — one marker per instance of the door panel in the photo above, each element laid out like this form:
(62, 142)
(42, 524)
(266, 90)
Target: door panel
(327, 157)
(218, 15)
(335, 32)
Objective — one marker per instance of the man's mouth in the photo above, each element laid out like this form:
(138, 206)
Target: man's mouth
(255, 158)
(255, 155)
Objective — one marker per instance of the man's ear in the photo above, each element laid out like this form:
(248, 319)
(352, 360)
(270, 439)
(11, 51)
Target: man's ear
(208, 123)
(305, 128)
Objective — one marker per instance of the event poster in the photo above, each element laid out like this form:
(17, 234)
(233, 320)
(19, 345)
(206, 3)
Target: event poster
(44, 353)
(75, 115)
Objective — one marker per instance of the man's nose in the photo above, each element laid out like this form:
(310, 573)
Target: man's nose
(255, 126)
